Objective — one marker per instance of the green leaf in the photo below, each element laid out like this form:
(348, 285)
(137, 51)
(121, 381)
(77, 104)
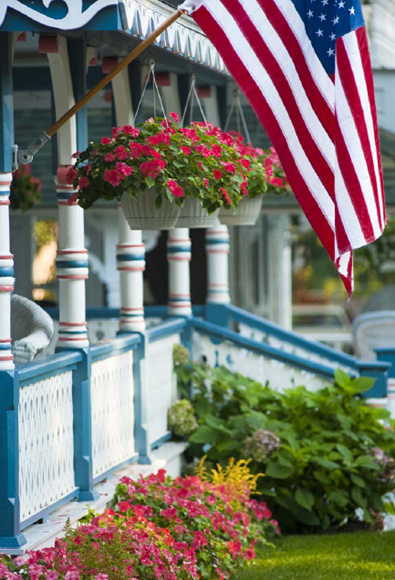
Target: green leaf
(204, 434)
(342, 378)
(326, 463)
(306, 517)
(304, 498)
(345, 452)
(366, 461)
(339, 497)
(357, 480)
(278, 471)
(322, 477)
(389, 508)
(358, 498)
(362, 384)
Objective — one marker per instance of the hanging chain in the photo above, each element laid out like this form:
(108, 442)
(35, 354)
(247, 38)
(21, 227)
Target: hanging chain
(193, 95)
(151, 73)
(236, 104)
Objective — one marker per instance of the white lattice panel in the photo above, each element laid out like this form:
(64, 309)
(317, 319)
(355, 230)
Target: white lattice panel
(260, 368)
(112, 392)
(46, 448)
(162, 384)
(260, 336)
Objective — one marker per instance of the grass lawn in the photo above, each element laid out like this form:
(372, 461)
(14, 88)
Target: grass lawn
(351, 556)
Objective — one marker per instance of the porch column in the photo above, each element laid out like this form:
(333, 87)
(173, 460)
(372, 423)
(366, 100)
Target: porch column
(6, 275)
(10, 535)
(388, 355)
(217, 249)
(131, 266)
(280, 270)
(72, 257)
(179, 257)
(130, 249)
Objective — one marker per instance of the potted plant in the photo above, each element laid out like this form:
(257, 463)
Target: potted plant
(25, 190)
(157, 169)
(265, 176)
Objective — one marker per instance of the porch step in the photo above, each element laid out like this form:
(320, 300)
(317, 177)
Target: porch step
(43, 535)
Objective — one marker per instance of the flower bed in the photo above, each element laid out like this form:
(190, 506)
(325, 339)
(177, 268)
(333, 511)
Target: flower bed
(181, 529)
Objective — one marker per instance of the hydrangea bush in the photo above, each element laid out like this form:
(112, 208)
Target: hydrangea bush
(327, 457)
(181, 418)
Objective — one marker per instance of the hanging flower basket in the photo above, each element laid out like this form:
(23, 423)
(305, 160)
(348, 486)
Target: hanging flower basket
(265, 176)
(198, 164)
(246, 214)
(193, 215)
(141, 213)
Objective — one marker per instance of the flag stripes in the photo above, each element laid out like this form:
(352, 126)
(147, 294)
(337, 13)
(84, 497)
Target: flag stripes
(323, 127)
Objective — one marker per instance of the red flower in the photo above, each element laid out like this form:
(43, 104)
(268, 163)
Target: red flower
(217, 174)
(129, 130)
(175, 189)
(83, 182)
(121, 153)
(205, 182)
(186, 150)
(109, 157)
(112, 177)
(71, 175)
(226, 195)
(175, 117)
(123, 169)
(106, 140)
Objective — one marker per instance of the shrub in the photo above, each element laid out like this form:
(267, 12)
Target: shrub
(181, 418)
(325, 453)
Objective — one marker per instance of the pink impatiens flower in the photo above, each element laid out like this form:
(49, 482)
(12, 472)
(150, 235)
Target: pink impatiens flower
(175, 117)
(175, 189)
(106, 140)
(109, 157)
(217, 174)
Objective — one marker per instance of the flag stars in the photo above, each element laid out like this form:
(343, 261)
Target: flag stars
(330, 52)
(310, 14)
(319, 32)
(322, 17)
(333, 36)
(341, 4)
(352, 11)
(336, 20)
(324, 2)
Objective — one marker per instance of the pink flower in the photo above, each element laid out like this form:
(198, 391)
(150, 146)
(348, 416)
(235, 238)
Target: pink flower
(101, 576)
(217, 174)
(249, 554)
(112, 177)
(175, 117)
(106, 140)
(276, 181)
(76, 154)
(159, 138)
(121, 153)
(205, 181)
(216, 150)
(109, 157)
(226, 195)
(114, 132)
(152, 168)
(245, 162)
(176, 190)
(186, 150)
(230, 167)
(136, 150)
(71, 175)
(129, 130)
(83, 182)
(123, 169)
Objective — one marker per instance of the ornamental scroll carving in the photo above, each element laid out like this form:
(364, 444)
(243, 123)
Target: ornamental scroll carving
(75, 17)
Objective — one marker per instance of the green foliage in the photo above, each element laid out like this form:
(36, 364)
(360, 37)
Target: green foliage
(334, 454)
(181, 418)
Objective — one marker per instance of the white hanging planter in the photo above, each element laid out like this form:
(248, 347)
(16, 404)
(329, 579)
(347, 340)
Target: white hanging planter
(141, 213)
(193, 215)
(247, 214)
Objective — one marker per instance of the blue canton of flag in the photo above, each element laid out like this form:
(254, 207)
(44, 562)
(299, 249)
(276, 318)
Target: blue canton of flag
(326, 21)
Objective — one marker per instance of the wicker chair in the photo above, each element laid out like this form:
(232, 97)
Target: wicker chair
(373, 330)
(31, 329)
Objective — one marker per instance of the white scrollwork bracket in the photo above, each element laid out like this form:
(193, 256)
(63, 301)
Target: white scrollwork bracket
(76, 17)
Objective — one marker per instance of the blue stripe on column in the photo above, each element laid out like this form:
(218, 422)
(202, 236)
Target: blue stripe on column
(7, 272)
(72, 263)
(130, 257)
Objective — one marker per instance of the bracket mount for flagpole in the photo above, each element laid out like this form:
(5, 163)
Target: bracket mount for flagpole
(25, 156)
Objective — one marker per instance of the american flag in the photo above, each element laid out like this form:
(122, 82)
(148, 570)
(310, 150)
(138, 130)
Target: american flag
(304, 65)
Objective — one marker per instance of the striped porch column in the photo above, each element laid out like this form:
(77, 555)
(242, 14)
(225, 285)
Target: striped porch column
(179, 257)
(217, 249)
(6, 275)
(131, 267)
(71, 266)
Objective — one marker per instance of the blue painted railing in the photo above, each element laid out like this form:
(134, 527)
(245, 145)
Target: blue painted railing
(81, 362)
